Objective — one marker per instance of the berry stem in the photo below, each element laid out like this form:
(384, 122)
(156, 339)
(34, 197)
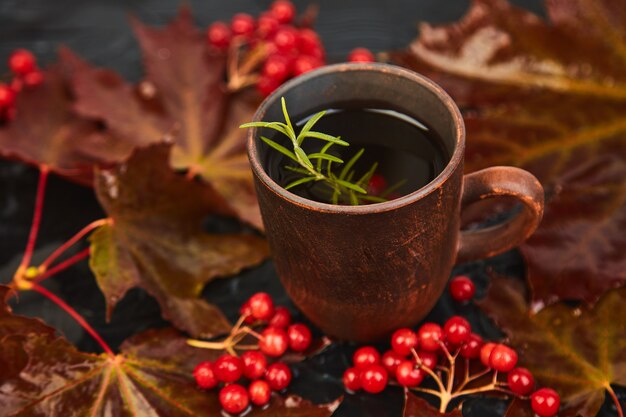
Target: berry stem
(470, 378)
(249, 331)
(428, 371)
(206, 345)
(64, 265)
(34, 227)
(78, 236)
(620, 412)
(486, 388)
(75, 315)
(427, 391)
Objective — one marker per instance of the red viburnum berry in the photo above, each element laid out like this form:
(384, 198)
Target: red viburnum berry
(352, 379)
(266, 85)
(218, 35)
(234, 398)
(304, 64)
(462, 288)
(286, 39)
(457, 330)
(361, 55)
(254, 364)
(545, 402)
(503, 358)
(309, 42)
(299, 337)
(409, 374)
(430, 335)
(261, 306)
(260, 392)
(267, 25)
(470, 349)
(429, 359)
(283, 10)
(7, 96)
(204, 375)
(16, 84)
(33, 78)
(403, 341)
(277, 67)
(376, 185)
(520, 381)
(22, 62)
(281, 318)
(373, 379)
(242, 24)
(278, 376)
(366, 356)
(390, 360)
(228, 368)
(485, 353)
(274, 342)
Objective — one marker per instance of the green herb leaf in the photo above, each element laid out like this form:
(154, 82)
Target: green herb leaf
(326, 157)
(325, 149)
(287, 120)
(279, 148)
(309, 124)
(393, 188)
(350, 164)
(297, 169)
(303, 157)
(328, 138)
(278, 126)
(373, 198)
(368, 175)
(300, 181)
(351, 186)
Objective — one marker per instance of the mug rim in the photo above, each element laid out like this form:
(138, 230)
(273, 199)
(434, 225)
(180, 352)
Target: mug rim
(444, 175)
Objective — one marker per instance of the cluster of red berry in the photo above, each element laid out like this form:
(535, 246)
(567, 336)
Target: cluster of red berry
(23, 65)
(414, 356)
(274, 43)
(278, 336)
(289, 50)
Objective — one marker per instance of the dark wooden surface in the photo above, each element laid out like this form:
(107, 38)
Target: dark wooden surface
(98, 30)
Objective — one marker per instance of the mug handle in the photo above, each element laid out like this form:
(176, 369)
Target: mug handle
(495, 182)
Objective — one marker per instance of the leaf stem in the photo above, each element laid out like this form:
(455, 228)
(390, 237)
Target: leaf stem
(620, 412)
(59, 251)
(34, 227)
(75, 315)
(64, 265)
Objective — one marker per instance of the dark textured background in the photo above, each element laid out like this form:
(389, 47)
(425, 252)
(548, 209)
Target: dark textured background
(98, 30)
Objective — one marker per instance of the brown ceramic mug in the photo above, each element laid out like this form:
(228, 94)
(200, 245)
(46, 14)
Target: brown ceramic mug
(359, 272)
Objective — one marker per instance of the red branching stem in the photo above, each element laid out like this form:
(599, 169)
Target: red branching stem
(78, 236)
(75, 315)
(620, 412)
(64, 265)
(34, 227)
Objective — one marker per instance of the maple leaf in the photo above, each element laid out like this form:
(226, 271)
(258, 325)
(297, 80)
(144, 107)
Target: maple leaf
(533, 100)
(415, 406)
(156, 241)
(579, 351)
(152, 376)
(48, 132)
(188, 100)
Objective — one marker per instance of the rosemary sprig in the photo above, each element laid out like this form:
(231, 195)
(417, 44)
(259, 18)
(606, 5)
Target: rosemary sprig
(311, 166)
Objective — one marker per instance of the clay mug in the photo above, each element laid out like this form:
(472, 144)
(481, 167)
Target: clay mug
(359, 272)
